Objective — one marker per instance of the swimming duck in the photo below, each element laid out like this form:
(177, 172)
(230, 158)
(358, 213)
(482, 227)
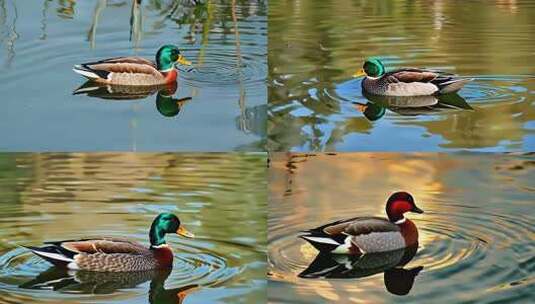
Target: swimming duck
(407, 81)
(135, 71)
(116, 254)
(361, 235)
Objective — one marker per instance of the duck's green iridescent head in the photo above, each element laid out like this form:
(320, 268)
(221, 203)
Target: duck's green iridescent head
(166, 223)
(372, 67)
(167, 56)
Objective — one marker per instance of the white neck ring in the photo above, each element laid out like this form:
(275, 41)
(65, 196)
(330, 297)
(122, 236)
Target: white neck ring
(400, 221)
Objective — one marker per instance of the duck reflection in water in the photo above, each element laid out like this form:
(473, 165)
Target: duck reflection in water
(90, 282)
(397, 279)
(410, 105)
(165, 103)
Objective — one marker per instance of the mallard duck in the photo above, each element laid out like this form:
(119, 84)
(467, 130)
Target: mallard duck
(135, 71)
(116, 254)
(362, 235)
(407, 81)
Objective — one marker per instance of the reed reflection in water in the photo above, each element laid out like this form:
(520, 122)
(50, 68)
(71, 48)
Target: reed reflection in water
(220, 197)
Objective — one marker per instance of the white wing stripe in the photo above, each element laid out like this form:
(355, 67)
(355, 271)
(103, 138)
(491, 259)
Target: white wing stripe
(321, 240)
(54, 256)
(86, 74)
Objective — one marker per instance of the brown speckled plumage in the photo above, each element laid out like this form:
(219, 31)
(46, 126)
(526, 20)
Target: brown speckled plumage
(107, 254)
(112, 254)
(116, 262)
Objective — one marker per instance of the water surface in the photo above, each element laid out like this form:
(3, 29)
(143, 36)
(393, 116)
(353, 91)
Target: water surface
(41, 41)
(220, 198)
(476, 237)
(316, 46)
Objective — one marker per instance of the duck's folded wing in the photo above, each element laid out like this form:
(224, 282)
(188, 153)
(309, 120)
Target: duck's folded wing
(136, 65)
(409, 75)
(322, 229)
(363, 225)
(130, 59)
(103, 245)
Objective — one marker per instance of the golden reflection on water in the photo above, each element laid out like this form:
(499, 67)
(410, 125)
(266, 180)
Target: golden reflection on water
(347, 174)
(466, 227)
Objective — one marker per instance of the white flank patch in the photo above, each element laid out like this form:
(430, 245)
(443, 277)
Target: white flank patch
(73, 266)
(54, 256)
(86, 73)
(344, 248)
(321, 240)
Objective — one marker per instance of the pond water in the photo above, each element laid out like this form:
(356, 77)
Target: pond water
(221, 198)
(316, 46)
(476, 237)
(41, 41)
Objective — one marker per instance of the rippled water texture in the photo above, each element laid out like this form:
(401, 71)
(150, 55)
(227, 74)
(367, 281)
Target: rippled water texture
(220, 198)
(41, 41)
(477, 241)
(316, 46)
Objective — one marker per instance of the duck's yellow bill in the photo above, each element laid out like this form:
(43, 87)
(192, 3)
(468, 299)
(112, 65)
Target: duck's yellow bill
(185, 233)
(359, 73)
(361, 108)
(183, 60)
